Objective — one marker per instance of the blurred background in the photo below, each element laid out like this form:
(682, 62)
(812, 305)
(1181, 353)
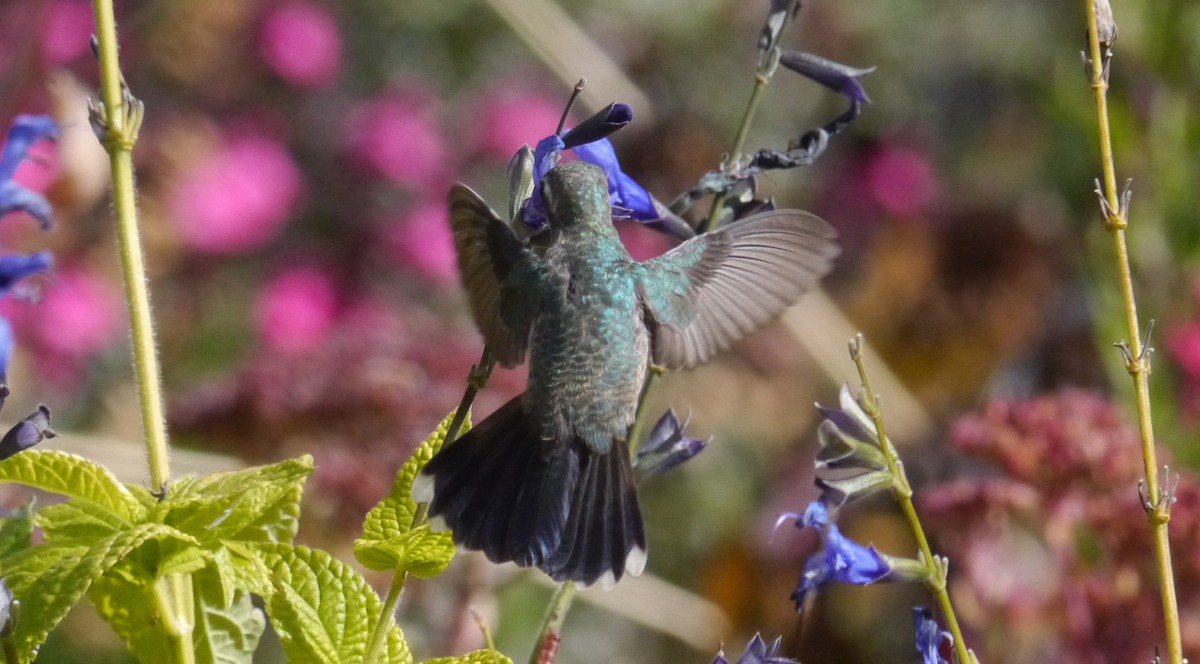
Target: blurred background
(292, 171)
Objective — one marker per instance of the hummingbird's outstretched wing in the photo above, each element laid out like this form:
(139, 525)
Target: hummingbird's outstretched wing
(717, 287)
(502, 276)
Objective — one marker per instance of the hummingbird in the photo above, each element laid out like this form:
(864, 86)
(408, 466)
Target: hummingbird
(546, 481)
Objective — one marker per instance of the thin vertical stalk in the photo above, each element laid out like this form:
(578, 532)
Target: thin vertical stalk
(1137, 361)
(903, 494)
(546, 648)
(119, 118)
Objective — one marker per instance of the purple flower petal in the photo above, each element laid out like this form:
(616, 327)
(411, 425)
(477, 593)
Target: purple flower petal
(837, 77)
(608, 120)
(24, 132)
(27, 433)
(930, 636)
(18, 266)
(624, 192)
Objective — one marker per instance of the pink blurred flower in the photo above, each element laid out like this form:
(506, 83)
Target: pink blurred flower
(901, 181)
(422, 241)
(295, 310)
(67, 26)
(1183, 344)
(513, 116)
(79, 315)
(397, 136)
(237, 199)
(299, 41)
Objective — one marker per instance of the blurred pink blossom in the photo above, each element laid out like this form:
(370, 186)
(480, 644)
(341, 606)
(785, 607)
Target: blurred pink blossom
(79, 315)
(422, 241)
(299, 41)
(67, 26)
(238, 198)
(513, 116)
(1183, 344)
(397, 136)
(901, 181)
(295, 310)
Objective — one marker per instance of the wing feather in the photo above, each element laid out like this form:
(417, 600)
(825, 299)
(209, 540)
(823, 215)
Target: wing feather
(715, 288)
(500, 274)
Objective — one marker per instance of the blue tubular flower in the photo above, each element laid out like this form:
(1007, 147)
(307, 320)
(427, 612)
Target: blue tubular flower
(590, 144)
(840, 78)
(25, 131)
(18, 266)
(622, 189)
(930, 636)
(758, 652)
(839, 559)
(27, 433)
(666, 447)
(6, 346)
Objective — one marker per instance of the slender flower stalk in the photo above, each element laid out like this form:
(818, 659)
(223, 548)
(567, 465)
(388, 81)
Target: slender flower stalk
(117, 119)
(936, 565)
(1115, 209)
(546, 649)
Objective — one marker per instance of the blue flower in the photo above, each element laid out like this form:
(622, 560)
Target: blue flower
(25, 131)
(758, 652)
(666, 447)
(840, 78)
(839, 558)
(930, 636)
(588, 140)
(26, 433)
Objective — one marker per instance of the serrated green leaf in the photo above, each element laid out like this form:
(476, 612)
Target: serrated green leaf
(46, 597)
(323, 610)
(74, 477)
(126, 603)
(259, 504)
(242, 566)
(78, 522)
(227, 630)
(484, 656)
(420, 552)
(388, 541)
(16, 531)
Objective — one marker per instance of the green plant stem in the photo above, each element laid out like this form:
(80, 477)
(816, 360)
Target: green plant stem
(546, 648)
(175, 604)
(760, 83)
(121, 121)
(379, 632)
(903, 493)
(1158, 510)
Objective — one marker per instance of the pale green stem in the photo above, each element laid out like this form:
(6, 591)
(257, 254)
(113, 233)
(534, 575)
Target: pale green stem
(903, 493)
(386, 616)
(175, 604)
(546, 648)
(1158, 512)
(739, 142)
(121, 122)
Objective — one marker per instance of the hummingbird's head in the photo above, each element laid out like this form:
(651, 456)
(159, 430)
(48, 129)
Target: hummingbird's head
(576, 194)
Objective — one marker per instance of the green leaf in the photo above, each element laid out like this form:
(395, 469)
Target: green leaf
(78, 522)
(323, 610)
(50, 582)
(259, 504)
(389, 541)
(420, 552)
(74, 477)
(16, 531)
(485, 656)
(227, 630)
(127, 604)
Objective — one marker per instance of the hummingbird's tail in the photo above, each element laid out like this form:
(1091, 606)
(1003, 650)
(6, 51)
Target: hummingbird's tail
(551, 504)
